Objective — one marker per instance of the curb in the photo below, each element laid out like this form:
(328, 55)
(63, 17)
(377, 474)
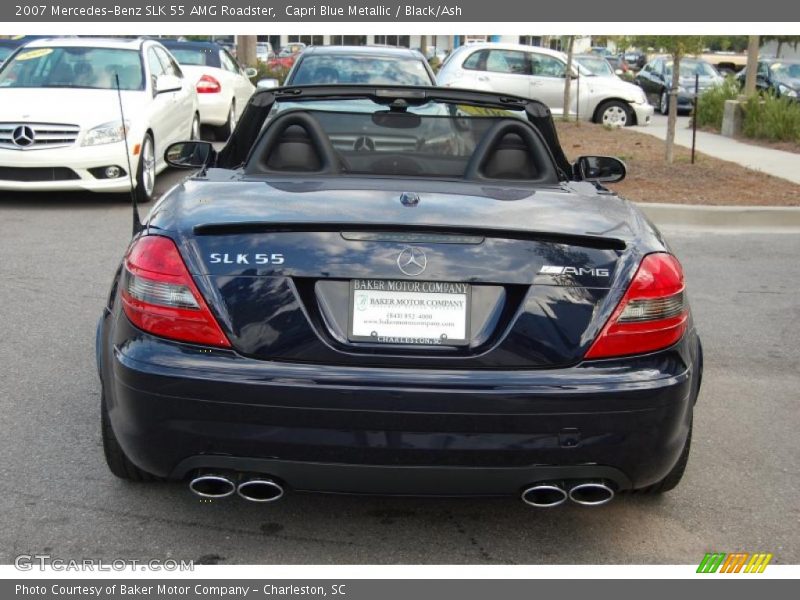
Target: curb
(733, 217)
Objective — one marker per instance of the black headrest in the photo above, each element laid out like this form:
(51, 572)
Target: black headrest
(509, 150)
(295, 143)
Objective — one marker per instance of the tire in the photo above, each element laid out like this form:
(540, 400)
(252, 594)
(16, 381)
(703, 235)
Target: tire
(146, 171)
(118, 463)
(663, 104)
(673, 478)
(194, 132)
(223, 132)
(615, 113)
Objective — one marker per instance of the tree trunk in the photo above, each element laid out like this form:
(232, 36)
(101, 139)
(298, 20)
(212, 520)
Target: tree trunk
(752, 65)
(246, 50)
(778, 50)
(423, 45)
(672, 113)
(568, 77)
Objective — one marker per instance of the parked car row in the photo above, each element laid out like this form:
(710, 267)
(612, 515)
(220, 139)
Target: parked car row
(169, 89)
(541, 73)
(120, 104)
(656, 80)
(777, 76)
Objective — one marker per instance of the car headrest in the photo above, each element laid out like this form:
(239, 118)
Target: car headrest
(507, 151)
(295, 143)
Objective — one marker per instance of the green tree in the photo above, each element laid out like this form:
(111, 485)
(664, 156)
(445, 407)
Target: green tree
(789, 40)
(677, 46)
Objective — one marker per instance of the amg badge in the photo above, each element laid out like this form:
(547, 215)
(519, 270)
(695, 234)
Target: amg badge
(553, 270)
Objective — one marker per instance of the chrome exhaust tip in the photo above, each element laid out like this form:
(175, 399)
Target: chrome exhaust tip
(544, 495)
(212, 486)
(260, 490)
(593, 493)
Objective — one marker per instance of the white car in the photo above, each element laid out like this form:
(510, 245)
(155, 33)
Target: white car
(223, 87)
(264, 51)
(540, 73)
(60, 121)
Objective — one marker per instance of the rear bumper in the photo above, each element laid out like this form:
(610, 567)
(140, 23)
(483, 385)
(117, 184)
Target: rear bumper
(213, 108)
(176, 408)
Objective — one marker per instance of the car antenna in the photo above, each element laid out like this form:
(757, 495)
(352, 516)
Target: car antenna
(137, 223)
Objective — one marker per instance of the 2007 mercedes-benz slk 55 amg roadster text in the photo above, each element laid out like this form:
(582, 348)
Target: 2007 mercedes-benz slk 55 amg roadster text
(399, 290)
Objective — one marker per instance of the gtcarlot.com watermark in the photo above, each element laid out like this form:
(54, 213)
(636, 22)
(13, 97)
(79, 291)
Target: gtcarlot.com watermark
(46, 562)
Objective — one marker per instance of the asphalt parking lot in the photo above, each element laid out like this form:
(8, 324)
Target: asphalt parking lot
(57, 256)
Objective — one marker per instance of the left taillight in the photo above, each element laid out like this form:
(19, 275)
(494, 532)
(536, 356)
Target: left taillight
(208, 85)
(160, 297)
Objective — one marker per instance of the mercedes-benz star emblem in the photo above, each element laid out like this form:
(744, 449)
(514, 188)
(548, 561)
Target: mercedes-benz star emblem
(364, 144)
(412, 261)
(23, 136)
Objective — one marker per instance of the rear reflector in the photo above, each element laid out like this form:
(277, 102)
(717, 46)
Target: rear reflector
(160, 297)
(208, 85)
(651, 315)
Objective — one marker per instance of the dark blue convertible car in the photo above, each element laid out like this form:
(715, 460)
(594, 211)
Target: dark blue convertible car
(398, 290)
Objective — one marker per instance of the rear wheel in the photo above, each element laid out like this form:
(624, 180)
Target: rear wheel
(673, 478)
(615, 114)
(223, 132)
(663, 105)
(146, 171)
(118, 463)
(194, 134)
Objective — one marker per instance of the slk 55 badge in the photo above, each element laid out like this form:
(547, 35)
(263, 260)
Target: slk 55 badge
(259, 258)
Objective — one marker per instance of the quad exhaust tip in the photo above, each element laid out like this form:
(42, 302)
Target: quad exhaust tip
(544, 496)
(212, 486)
(548, 495)
(593, 493)
(260, 490)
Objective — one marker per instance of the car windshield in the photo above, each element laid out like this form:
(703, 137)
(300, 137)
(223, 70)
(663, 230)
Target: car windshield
(5, 51)
(191, 56)
(435, 141)
(785, 71)
(595, 64)
(366, 69)
(74, 67)
(690, 68)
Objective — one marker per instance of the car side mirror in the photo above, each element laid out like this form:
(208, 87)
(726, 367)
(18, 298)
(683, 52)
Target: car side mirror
(168, 83)
(250, 72)
(193, 154)
(600, 169)
(266, 84)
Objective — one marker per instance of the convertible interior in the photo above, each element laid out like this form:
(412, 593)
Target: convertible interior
(303, 142)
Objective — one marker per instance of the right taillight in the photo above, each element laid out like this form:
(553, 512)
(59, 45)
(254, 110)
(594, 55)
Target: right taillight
(651, 315)
(160, 297)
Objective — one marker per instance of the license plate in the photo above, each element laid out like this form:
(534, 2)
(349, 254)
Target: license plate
(409, 312)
